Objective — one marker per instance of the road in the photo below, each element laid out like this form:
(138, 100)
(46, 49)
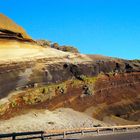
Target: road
(122, 136)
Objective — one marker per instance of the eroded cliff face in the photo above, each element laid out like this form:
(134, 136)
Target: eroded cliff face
(57, 70)
(100, 87)
(35, 77)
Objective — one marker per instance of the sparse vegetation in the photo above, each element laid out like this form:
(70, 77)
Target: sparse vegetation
(44, 43)
(136, 60)
(69, 49)
(111, 73)
(55, 46)
(13, 103)
(90, 80)
(40, 94)
(65, 48)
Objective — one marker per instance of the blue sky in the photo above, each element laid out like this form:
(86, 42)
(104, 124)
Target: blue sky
(107, 27)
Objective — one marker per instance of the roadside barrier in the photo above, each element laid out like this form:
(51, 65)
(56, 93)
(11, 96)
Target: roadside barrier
(42, 135)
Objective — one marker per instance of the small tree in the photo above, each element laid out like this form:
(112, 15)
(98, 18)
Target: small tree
(55, 46)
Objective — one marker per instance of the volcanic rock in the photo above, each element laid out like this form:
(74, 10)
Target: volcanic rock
(9, 29)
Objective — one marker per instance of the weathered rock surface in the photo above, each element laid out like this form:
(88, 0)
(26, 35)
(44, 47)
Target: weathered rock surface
(64, 48)
(116, 91)
(9, 29)
(35, 77)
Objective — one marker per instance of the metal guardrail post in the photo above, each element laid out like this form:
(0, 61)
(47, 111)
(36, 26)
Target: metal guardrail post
(126, 129)
(97, 130)
(113, 129)
(64, 134)
(82, 132)
(42, 136)
(14, 136)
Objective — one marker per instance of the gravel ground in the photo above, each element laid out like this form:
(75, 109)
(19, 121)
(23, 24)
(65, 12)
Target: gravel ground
(63, 118)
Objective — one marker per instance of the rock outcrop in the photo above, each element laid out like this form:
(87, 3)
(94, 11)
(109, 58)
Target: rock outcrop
(65, 48)
(110, 86)
(35, 77)
(9, 29)
(43, 43)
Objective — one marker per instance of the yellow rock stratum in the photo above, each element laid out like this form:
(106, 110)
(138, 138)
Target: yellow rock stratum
(8, 24)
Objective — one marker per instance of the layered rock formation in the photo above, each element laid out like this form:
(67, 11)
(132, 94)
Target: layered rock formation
(108, 86)
(34, 78)
(9, 29)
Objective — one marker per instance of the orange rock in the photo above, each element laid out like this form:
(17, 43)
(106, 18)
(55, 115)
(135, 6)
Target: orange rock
(9, 25)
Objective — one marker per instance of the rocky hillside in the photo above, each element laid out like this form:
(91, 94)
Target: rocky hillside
(38, 78)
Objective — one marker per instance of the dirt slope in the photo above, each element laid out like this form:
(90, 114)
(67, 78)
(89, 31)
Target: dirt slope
(39, 120)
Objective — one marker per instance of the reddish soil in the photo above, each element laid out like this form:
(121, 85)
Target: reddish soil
(120, 93)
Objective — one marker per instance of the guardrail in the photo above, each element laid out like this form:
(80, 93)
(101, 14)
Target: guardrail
(70, 132)
(14, 136)
(96, 130)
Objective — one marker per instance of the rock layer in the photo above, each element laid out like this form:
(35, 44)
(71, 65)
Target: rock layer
(33, 77)
(115, 86)
(9, 28)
